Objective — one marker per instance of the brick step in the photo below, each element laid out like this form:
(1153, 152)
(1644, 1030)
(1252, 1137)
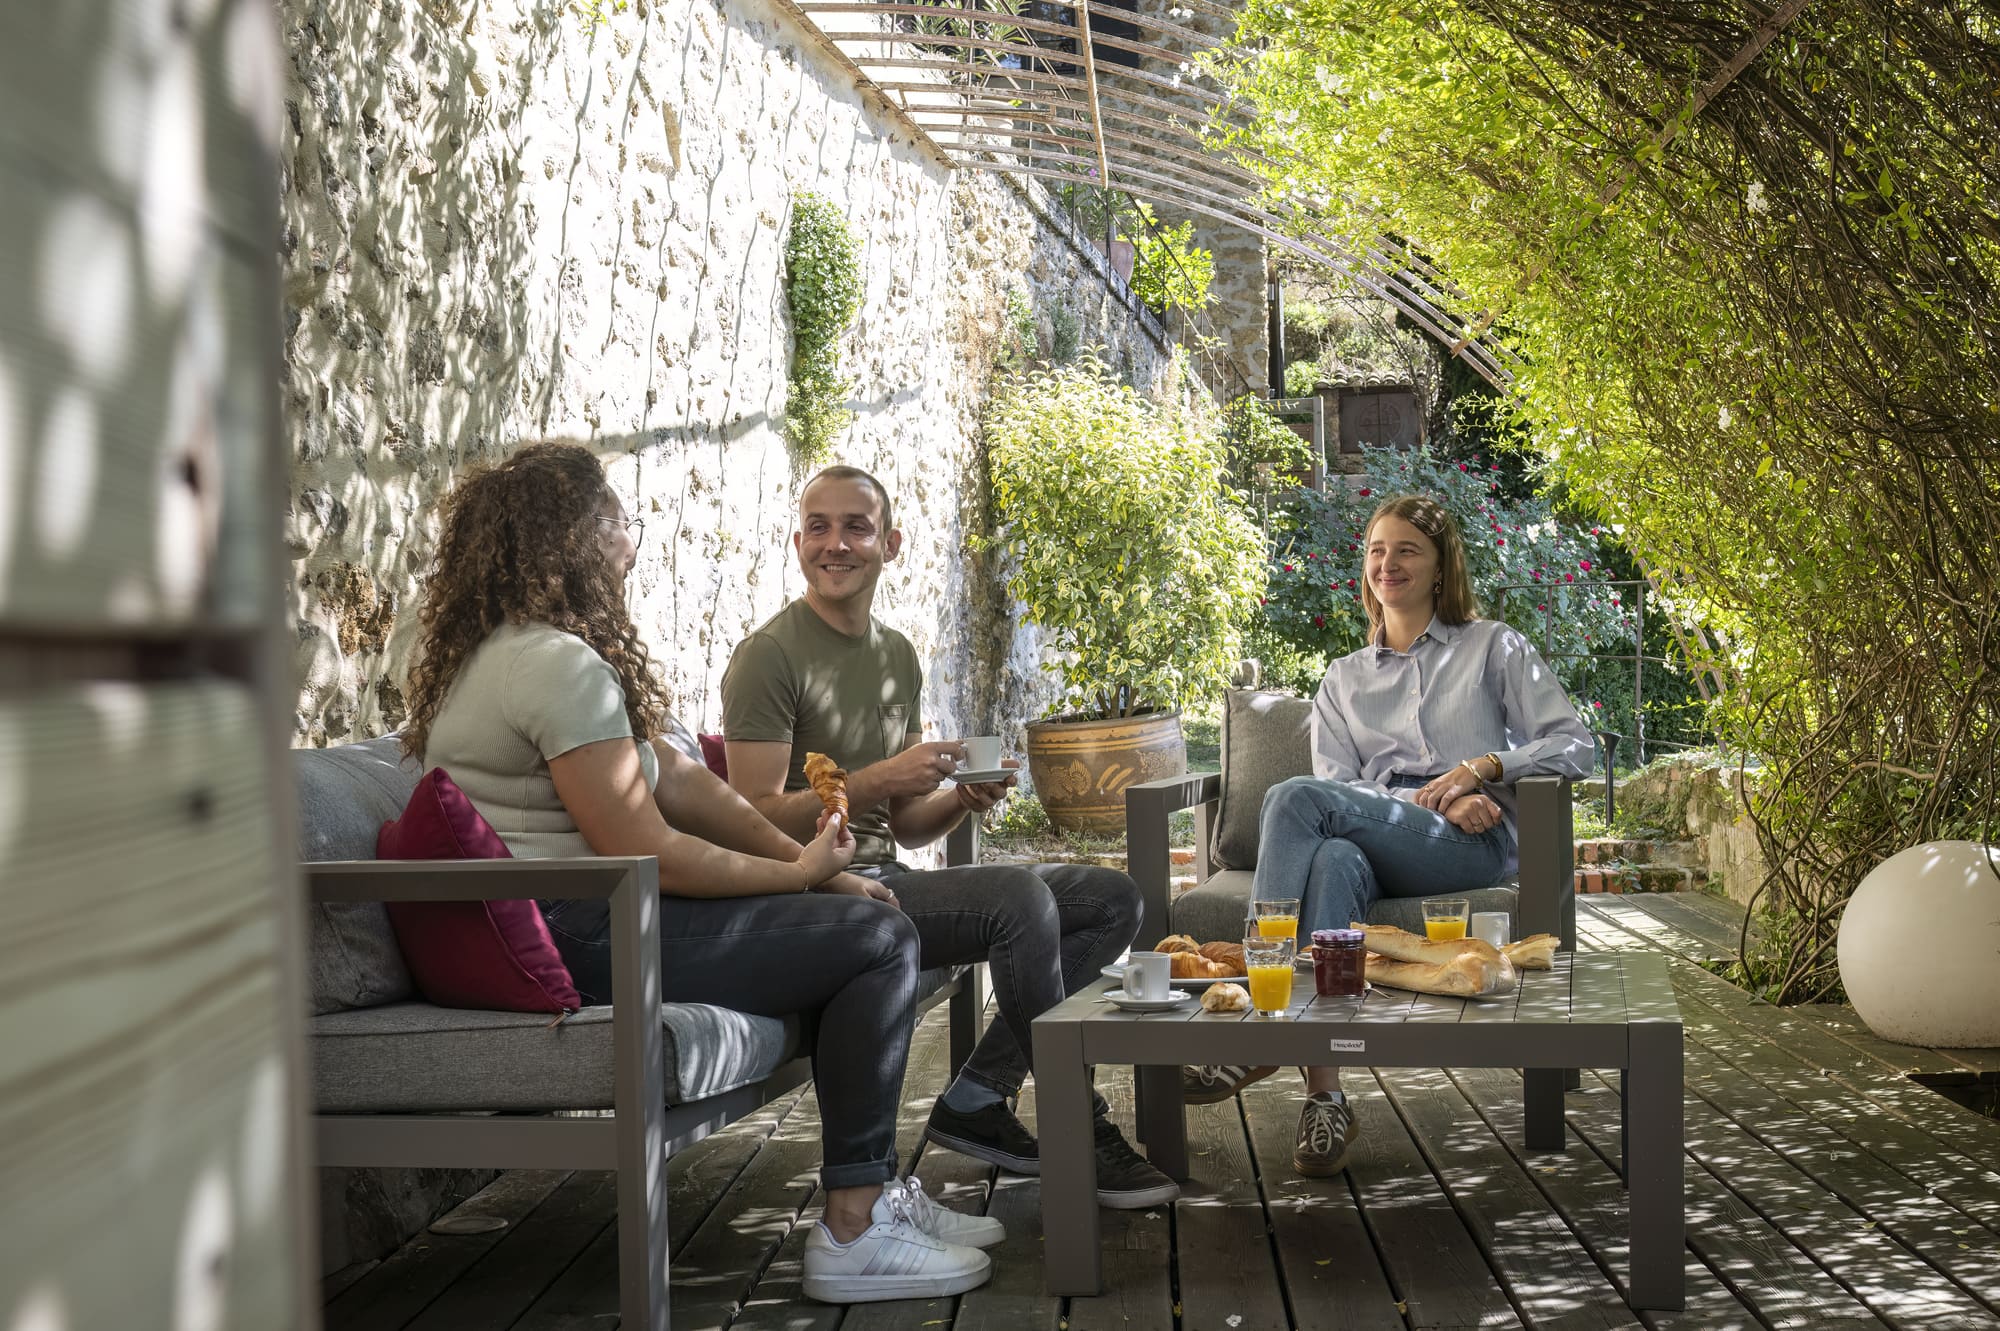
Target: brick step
(1607, 850)
(1621, 877)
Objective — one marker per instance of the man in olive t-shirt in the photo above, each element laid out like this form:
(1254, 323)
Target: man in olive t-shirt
(822, 676)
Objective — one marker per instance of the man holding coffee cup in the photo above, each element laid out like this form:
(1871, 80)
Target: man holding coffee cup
(822, 675)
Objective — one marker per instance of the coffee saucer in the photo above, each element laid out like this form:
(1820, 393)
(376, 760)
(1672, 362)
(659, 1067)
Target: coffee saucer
(1118, 999)
(968, 778)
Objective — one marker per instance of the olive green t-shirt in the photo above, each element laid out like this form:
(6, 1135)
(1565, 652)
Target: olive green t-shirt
(800, 681)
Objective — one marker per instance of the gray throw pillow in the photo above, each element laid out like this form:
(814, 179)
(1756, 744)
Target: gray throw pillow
(1266, 738)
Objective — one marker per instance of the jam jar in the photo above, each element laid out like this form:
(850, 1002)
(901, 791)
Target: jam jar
(1337, 962)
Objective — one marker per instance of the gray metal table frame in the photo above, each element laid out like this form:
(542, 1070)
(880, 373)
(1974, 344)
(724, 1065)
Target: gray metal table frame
(1610, 1010)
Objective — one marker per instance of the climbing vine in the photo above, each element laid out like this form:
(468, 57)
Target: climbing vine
(823, 285)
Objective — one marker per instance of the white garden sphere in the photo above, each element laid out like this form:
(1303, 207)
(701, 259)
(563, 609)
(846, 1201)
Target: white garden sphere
(1920, 947)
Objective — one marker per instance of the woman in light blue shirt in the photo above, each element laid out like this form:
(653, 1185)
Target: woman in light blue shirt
(1417, 741)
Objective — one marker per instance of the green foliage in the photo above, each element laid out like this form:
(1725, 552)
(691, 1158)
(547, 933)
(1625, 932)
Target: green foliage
(1120, 537)
(1313, 602)
(1301, 378)
(823, 286)
(1171, 271)
(1263, 450)
(1754, 335)
(1065, 333)
(1019, 341)
(596, 12)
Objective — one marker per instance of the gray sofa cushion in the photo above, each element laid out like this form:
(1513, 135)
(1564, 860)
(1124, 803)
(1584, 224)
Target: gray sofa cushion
(1266, 738)
(1215, 910)
(413, 1057)
(345, 794)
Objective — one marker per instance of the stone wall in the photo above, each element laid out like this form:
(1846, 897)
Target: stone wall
(505, 221)
(1696, 796)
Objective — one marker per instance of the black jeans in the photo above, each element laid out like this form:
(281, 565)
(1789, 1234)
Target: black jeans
(846, 965)
(1043, 932)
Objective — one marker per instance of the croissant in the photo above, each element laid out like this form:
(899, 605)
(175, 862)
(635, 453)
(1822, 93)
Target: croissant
(829, 781)
(1194, 966)
(1229, 954)
(1177, 943)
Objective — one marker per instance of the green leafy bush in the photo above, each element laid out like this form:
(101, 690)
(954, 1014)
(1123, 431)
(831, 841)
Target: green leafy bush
(823, 285)
(1120, 536)
(1171, 271)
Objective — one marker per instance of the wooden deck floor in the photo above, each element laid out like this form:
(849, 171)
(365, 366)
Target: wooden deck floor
(1825, 1190)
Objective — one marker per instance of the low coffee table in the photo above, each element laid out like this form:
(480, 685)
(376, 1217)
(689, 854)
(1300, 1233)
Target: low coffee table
(1609, 1010)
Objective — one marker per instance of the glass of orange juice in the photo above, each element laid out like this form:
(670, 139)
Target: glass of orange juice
(1278, 918)
(1269, 962)
(1444, 917)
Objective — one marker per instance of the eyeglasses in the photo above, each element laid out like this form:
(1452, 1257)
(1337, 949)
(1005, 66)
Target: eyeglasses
(635, 527)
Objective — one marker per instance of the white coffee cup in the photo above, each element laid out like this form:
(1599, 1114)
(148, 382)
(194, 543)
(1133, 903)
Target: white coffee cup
(982, 753)
(1490, 925)
(1148, 977)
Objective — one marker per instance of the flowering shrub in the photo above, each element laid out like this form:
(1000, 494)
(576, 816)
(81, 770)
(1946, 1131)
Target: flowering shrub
(1312, 609)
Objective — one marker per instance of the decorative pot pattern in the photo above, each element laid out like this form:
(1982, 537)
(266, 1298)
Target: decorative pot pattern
(1081, 768)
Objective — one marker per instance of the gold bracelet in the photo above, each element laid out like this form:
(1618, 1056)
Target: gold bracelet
(1478, 780)
(1499, 768)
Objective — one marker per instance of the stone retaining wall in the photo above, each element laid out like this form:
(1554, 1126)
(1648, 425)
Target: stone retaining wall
(505, 221)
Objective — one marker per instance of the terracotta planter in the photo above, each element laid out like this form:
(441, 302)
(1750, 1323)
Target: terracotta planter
(1081, 767)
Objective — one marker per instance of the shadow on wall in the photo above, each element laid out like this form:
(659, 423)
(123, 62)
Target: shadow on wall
(405, 256)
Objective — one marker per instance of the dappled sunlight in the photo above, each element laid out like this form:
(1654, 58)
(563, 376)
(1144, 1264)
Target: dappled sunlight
(201, 1272)
(40, 1309)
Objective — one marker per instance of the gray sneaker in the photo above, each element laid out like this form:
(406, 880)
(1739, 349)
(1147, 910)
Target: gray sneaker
(1212, 1083)
(1326, 1131)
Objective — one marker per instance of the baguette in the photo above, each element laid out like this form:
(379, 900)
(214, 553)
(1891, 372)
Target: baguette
(1467, 975)
(1398, 945)
(1536, 952)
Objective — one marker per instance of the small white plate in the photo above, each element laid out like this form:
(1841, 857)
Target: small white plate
(1117, 999)
(965, 778)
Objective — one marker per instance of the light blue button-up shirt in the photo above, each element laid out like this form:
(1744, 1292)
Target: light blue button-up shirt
(1460, 692)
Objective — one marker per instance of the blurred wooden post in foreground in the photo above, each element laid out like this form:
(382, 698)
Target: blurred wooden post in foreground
(151, 1166)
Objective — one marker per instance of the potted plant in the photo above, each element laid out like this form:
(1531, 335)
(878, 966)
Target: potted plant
(1124, 543)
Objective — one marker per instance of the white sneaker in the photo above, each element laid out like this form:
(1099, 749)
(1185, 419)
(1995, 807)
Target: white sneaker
(941, 1222)
(892, 1259)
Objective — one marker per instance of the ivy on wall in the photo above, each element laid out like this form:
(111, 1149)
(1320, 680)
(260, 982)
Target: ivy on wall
(823, 292)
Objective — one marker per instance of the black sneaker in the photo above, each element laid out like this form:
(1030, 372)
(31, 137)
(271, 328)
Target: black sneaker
(1126, 1180)
(991, 1134)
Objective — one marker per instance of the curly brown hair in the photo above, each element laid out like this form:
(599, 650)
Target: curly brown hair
(1455, 601)
(520, 544)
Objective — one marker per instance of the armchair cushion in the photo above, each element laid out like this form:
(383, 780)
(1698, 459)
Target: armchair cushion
(345, 793)
(494, 955)
(1266, 738)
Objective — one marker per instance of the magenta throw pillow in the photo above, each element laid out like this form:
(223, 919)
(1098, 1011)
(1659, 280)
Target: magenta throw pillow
(715, 755)
(475, 954)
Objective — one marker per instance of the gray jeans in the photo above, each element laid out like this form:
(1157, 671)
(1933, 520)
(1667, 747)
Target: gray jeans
(846, 966)
(1043, 933)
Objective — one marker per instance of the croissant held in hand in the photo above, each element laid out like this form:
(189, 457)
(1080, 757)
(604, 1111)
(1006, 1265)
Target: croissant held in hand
(829, 781)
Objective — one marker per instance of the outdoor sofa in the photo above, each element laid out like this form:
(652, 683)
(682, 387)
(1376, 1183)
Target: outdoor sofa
(399, 1082)
(1267, 738)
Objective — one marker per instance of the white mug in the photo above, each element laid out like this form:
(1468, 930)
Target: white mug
(1148, 977)
(982, 753)
(1490, 925)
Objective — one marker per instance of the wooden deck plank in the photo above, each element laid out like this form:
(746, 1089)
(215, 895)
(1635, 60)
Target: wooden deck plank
(1550, 1277)
(1432, 1261)
(1585, 1189)
(1945, 1239)
(1781, 1283)
(1224, 1260)
(1716, 939)
(1138, 1293)
(585, 1296)
(425, 1267)
(530, 1256)
(1333, 1275)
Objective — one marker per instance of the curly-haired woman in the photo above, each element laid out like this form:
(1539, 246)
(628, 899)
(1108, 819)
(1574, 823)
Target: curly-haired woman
(1417, 741)
(532, 690)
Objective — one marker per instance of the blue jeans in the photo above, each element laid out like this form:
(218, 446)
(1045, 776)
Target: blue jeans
(1339, 849)
(1043, 933)
(846, 966)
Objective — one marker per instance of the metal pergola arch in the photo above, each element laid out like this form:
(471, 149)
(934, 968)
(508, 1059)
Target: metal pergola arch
(1049, 94)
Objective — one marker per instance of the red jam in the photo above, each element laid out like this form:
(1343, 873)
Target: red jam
(1338, 957)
